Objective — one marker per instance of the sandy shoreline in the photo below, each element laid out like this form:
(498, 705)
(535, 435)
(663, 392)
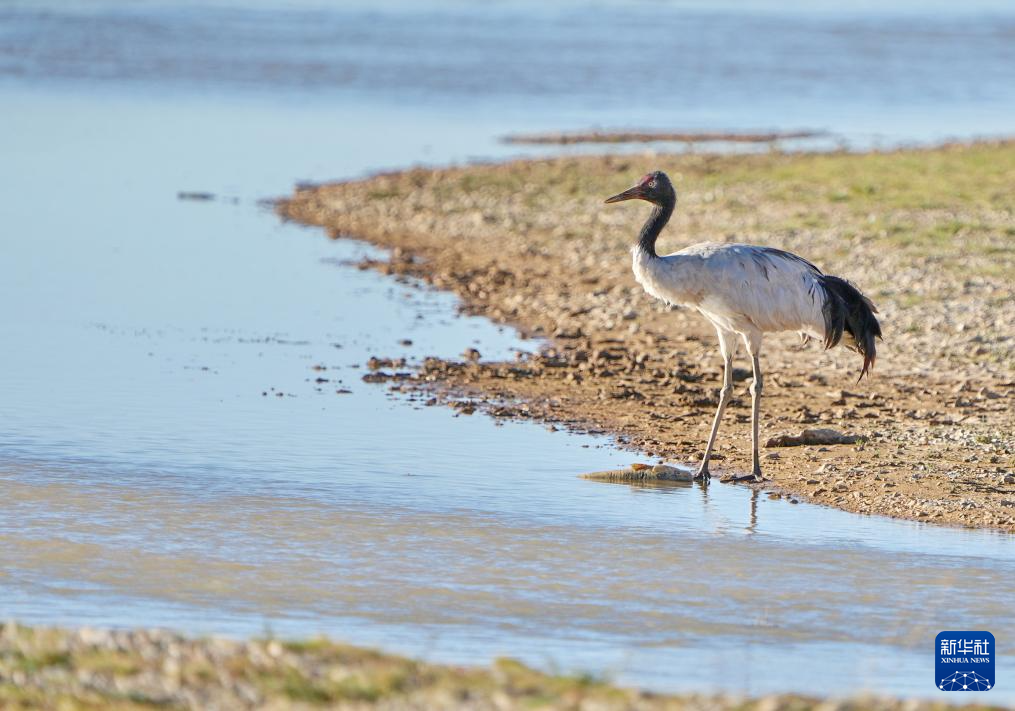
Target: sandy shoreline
(645, 136)
(86, 668)
(928, 234)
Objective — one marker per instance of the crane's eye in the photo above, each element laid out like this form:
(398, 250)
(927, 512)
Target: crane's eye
(652, 183)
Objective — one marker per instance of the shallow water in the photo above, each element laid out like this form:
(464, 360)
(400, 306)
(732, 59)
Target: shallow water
(152, 475)
(870, 72)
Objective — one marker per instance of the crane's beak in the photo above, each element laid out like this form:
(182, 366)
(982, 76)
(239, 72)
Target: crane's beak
(635, 193)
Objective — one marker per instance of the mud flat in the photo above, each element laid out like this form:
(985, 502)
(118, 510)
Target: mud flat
(929, 234)
(633, 136)
(42, 668)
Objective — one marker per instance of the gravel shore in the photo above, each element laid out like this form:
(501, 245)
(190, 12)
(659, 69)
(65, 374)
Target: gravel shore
(928, 234)
(43, 668)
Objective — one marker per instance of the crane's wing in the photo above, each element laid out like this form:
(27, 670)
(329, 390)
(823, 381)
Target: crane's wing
(749, 288)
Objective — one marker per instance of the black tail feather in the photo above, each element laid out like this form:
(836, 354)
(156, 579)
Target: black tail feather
(847, 310)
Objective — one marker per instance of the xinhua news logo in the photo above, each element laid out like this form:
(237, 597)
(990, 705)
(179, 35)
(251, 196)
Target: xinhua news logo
(964, 661)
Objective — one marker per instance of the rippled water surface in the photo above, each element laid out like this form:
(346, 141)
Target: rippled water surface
(891, 71)
(174, 448)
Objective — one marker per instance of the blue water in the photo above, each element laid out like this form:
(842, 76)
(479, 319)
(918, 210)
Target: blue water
(152, 474)
(868, 72)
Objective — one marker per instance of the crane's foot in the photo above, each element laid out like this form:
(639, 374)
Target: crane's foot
(754, 477)
(740, 479)
(702, 474)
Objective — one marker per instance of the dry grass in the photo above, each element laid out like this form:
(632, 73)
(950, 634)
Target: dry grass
(97, 669)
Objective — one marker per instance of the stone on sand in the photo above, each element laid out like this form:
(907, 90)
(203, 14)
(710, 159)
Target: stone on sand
(811, 437)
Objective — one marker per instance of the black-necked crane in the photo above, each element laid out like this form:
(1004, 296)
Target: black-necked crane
(747, 291)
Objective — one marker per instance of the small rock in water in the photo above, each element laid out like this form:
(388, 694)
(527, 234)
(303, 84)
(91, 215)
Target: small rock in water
(668, 473)
(642, 472)
(376, 363)
(812, 436)
(194, 195)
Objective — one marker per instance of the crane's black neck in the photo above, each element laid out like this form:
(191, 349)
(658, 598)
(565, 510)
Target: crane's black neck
(654, 225)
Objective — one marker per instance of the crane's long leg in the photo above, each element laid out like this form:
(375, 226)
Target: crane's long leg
(753, 343)
(728, 348)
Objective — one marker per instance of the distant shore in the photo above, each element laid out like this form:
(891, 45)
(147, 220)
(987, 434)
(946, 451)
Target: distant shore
(645, 136)
(927, 233)
(128, 670)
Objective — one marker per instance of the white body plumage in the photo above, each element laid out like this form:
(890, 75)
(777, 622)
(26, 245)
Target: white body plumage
(738, 287)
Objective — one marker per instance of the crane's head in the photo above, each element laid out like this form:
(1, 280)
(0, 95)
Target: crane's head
(655, 187)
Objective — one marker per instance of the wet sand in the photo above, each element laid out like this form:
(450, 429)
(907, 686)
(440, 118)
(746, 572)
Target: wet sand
(926, 233)
(140, 669)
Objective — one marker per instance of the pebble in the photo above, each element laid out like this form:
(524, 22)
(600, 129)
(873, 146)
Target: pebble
(820, 435)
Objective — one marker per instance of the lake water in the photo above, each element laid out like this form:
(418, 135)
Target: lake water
(168, 456)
